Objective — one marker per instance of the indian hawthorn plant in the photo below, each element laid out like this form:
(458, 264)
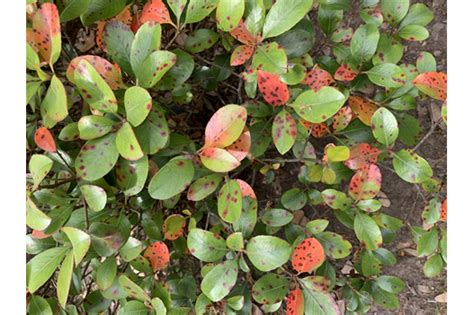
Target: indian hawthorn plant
(144, 145)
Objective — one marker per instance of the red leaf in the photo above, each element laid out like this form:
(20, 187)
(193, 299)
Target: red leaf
(295, 302)
(342, 118)
(317, 78)
(44, 140)
(158, 255)
(46, 31)
(111, 73)
(225, 126)
(444, 210)
(125, 17)
(246, 189)
(242, 34)
(308, 255)
(362, 155)
(240, 148)
(155, 10)
(39, 235)
(365, 184)
(434, 84)
(318, 130)
(273, 90)
(241, 54)
(173, 227)
(345, 73)
(363, 108)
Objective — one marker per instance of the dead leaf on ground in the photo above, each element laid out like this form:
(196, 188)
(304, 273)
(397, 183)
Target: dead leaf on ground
(442, 298)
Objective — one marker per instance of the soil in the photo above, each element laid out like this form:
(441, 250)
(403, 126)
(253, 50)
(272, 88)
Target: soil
(406, 200)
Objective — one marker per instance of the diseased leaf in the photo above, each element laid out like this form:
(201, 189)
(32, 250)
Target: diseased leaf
(387, 75)
(240, 148)
(268, 252)
(284, 131)
(394, 10)
(295, 302)
(220, 280)
(158, 255)
(270, 58)
(35, 218)
(316, 298)
(229, 202)
(146, 41)
(102, 10)
(118, 38)
(317, 107)
(54, 104)
(127, 143)
(197, 10)
(154, 67)
(201, 40)
(111, 73)
(366, 182)
(206, 246)
(44, 139)
(241, 54)
(274, 91)
(367, 231)
(418, 14)
(364, 42)
(411, 167)
(47, 32)
(155, 10)
(133, 290)
(93, 127)
(308, 255)
(39, 166)
(384, 126)
(346, 73)
(173, 227)
(225, 126)
(276, 217)
(171, 179)
(317, 78)
(95, 196)
(137, 105)
(335, 246)
(229, 13)
(434, 84)
(270, 289)
(363, 108)
(218, 160)
(203, 187)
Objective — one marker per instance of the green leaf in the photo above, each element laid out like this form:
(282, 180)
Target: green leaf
(317, 107)
(102, 10)
(147, 40)
(427, 243)
(316, 299)
(133, 307)
(74, 9)
(171, 179)
(418, 14)
(364, 42)
(206, 246)
(394, 10)
(64, 279)
(433, 266)
(229, 202)
(93, 127)
(276, 217)
(39, 166)
(248, 218)
(432, 212)
(284, 131)
(220, 280)
(390, 284)
(236, 302)
(283, 15)
(70, 132)
(270, 58)
(41, 267)
(80, 241)
(410, 129)
(335, 246)
(39, 306)
(198, 9)
(425, 62)
(385, 299)
(329, 20)
(336, 199)
(388, 51)
(137, 105)
(229, 13)
(96, 158)
(384, 126)
(411, 167)
(204, 187)
(370, 264)
(153, 134)
(54, 104)
(413, 33)
(154, 67)
(200, 40)
(35, 218)
(294, 199)
(235, 241)
(268, 252)
(369, 205)
(127, 143)
(443, 245)
(387, 75)
(367, 231)
(95, 91)
(106, 272)
(338, 153)
(131, 249)
(317, 226)
(270, 289)
(218, 160)
(95, 196)
(118, 39)
(131, 175)
(157, 303)
(133, 290)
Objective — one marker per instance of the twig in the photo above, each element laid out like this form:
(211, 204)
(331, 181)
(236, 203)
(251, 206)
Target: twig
(428, 134)
(69, 180)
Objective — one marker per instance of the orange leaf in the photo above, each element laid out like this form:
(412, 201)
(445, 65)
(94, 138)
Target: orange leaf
(444, 210)
(173, 227)
(273, 90)
(342, 118)
(39, 235)
(155, 10)
(158, 255)
(345, 73)
(434, 84)
(317, 78)
(308, 255)
(44, 140)
(241, 54)
(46, 31)
(246, 189)
(125, 17)
(318, 130)
(362, 155)
(240, 148)
(295, 302)
(225, 126)
(363, 108)
(365, 184)
(242, 34)
(111, 73)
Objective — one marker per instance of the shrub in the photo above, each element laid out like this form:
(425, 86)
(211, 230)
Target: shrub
(145, 141)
